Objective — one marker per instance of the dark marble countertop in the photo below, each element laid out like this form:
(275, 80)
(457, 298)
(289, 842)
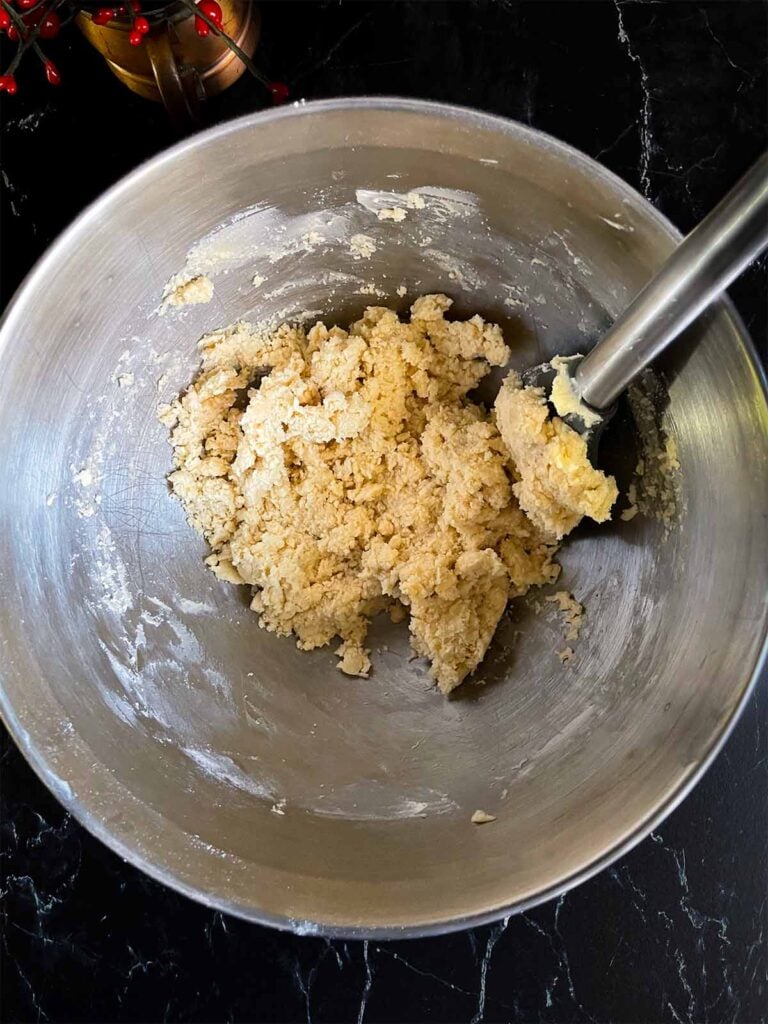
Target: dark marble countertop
(671, 96)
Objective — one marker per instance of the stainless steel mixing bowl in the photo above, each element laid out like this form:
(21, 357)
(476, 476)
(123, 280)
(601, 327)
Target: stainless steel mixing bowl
(219, 758)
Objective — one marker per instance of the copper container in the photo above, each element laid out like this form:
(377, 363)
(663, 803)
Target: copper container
(174, 65)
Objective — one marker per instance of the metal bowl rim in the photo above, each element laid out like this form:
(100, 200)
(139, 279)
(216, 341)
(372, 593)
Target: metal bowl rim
(165, 876)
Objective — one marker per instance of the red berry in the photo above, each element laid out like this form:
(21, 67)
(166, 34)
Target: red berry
(50, 25)
(103, 15)
(8, 84)
(141, 25)
(135, 38)
(13, 33)
(280, 92)
(52, 73)
(201, 27)
(5, 19)
(212, 10)
(24, 5)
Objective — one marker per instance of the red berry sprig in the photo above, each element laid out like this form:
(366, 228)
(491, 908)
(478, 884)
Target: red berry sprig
(213, 12)
(279, 92)
(52, 73)
(50, 24)
(140, 26)
(208, 19)
(40, 21)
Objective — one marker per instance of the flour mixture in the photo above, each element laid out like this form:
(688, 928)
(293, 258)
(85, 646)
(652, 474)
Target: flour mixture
(342, 473)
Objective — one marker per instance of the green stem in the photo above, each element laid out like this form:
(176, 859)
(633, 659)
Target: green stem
(27, 36)
(22, 44)
(39, 52)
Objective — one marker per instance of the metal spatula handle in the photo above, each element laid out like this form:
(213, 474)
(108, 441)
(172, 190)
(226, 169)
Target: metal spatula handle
(701, 267)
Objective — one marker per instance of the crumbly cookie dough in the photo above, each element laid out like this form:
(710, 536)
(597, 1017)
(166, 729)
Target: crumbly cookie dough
(556, 483)
(342, 473)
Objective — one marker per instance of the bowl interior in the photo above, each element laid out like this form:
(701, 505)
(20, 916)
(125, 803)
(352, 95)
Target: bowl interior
(219, 757)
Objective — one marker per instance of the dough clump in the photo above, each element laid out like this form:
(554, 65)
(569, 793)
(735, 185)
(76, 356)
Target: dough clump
(345, 472)
(556, 483)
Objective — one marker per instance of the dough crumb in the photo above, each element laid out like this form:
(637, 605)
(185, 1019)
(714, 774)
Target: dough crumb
(354, 659)
(369, 288)
(362, 247)
(396, 213)
(557, 485)
(342, 473)
(187, 292)
(572, 612)
(565, 655)
(481, 817)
